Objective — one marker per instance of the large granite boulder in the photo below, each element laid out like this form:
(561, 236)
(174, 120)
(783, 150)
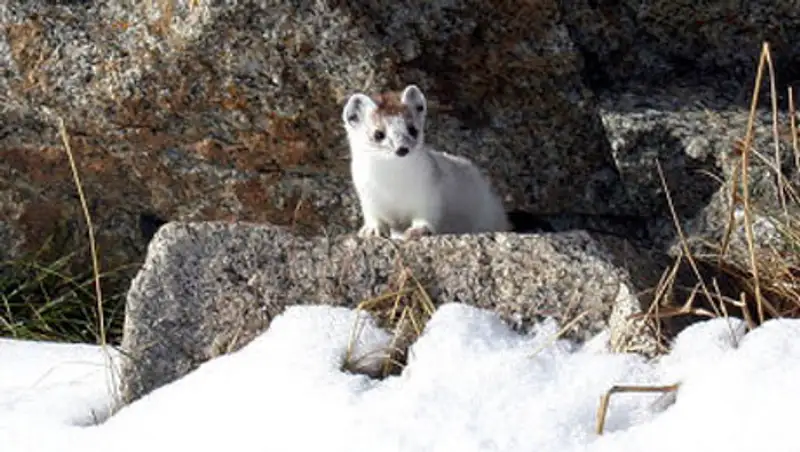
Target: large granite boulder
(660, 40)
(182, 111)
(693, 131)
(209, 288)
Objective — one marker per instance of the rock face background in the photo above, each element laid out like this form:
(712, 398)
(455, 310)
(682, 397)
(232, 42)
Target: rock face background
(194, 110)
(662, 39)
(201, 110)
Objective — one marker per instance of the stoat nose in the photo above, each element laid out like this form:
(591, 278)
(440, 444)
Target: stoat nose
(401, 151)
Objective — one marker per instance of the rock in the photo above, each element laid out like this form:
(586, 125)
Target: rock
(190, 111)
(661, 39)
(209, 288)
(692, 131)
(630, 334)
(656, 126)
(8, 243)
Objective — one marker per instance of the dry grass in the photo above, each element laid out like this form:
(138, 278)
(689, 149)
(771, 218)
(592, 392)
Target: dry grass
(93, 247)
(113, 377)
(405, 310)
(761, 281)
(603, 407)
(756, 284)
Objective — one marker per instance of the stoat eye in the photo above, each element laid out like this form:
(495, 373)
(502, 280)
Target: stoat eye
(379, 135)
(413, 131)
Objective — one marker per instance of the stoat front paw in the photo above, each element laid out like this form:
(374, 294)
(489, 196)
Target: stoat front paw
(417, 232)
(369, 230)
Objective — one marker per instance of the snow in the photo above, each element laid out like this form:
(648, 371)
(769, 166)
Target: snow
(49, 387)
(471, 384)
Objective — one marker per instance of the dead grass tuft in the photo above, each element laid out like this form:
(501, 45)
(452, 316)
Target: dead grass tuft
(753, 280)
(404, 309)
(761, 281)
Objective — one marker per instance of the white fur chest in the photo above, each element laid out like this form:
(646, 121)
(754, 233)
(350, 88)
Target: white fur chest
(396, 189)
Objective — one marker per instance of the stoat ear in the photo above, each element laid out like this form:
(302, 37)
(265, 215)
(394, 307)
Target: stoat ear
(356, 109)
(413, 98)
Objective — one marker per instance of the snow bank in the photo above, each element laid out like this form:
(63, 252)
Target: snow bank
(471, 384)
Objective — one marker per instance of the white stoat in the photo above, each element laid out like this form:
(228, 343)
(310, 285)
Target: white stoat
(407, 189)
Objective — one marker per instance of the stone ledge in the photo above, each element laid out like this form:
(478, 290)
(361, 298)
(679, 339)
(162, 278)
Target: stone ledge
(209, 286)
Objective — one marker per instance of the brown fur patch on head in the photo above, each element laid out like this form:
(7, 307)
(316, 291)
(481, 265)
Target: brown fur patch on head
(389, 103)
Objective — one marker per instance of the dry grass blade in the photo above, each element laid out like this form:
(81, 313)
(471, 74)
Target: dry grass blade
(425, 303)
(92, 245)
(396, 344)
(654, 313)
(681, 236)
(747, 318)
(111, 382)
(773, 91)
(550, 340)
(786, 186)
(602, 409)
(745, 165)
(354, 333)
(746, 146)
(793, 129)
(367, 305)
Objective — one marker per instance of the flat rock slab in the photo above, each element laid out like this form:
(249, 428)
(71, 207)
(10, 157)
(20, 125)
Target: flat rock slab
(210, 287)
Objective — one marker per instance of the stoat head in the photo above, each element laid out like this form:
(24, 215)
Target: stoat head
(384, 125)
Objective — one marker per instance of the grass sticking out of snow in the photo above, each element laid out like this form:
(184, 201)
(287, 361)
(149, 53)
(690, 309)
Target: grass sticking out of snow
(470, 384)
(405, 310)
(755, 280)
